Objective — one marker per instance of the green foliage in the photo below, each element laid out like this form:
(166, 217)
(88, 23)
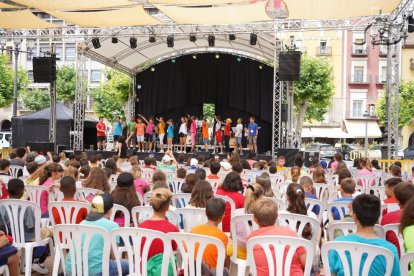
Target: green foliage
(315, 87)
(66, 84)
(406, 104)
(36, 99)
(110, 97)
(7, 82)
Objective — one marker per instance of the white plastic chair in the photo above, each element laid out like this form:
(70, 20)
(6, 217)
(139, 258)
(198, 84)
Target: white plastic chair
(394, 227)
(190, 217)
(366, 181)
(35, 192)
(281, 246)
(355, 253)
(175, 185)
(311, 203)
(187, 244)
(280, 203)
(298, 222)
(147, 197)
(140, 198)
(181, 200)
(76, 239)
(4, 270)
(277, 178)
(141, 213)
(323, 191)
(341, 207)
(67, 210)
(83, 193)
(281, 186)
(15, 210)
(347, 228)
(214, 183)
(5, 179)
(119, 208)
(247, 223)
(137, 242)
(229, 201)
(405, 262)
(378, 191)
(14, 170)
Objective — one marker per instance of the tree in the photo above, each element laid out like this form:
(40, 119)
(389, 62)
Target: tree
(314, 90)
(406, 104)
(36, 99)
(7, 82)
(110, 97)
(66, 84)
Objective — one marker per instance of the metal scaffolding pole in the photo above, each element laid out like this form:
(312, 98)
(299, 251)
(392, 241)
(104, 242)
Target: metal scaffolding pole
(132, 99)
(52, 120)
(80, 97)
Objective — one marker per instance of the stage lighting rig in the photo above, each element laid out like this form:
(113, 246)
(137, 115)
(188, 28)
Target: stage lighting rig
(232, 37)
(170, 41)
(211, 40)
(193, 38)
(96, 43)
(133, 42)
(152, 39)
(253, 39)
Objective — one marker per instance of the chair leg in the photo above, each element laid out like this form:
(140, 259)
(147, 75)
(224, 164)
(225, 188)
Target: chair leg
(241, 270)
(56, 263)
(28, 259)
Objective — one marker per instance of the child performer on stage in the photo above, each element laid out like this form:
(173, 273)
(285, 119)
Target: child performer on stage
(204, 131)
(132, 137)
(140, 130)
(238, 135)
(253, 132)
(183, 135)
(193, 131)
(117, 130)
(150, 135)
(161, 132)
(170, 135)
(218, 134)
(227, 132)
(101, 134)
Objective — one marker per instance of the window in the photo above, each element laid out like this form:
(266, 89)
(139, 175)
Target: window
(95, 76)
(383, 77)
(44, 50)
(70, 53)
(30, 74)
(359, 49)
(59, 52)
(357, 108)
(9, 53)
(299, 45)
(358, 74)
(322, 46)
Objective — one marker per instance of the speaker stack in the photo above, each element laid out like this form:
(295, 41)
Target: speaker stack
(44, 69)
(289, 66)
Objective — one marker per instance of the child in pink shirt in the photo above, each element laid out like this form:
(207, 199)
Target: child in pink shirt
(141, 185)
(51, 173)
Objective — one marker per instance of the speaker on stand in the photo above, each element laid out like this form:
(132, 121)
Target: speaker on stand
(289, 66)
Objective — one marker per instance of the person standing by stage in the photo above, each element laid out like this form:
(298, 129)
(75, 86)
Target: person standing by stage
(227, 132)
(253, 132)
(239, 135)
(182, 133)
(140, 130)
(101, 134)
(117, 130)
(121, 147)
(170, 135)
(161, 132)
(132, 137)
(193, 132)
(204, 130)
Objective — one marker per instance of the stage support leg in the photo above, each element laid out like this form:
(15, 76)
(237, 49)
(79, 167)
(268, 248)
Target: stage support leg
(52, 120)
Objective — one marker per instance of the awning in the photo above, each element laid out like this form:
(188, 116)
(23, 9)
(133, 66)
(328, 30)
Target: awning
(324, 132)
(73, 5)
(7, 6)
(23, 19)
(195, 2)
(356, 128)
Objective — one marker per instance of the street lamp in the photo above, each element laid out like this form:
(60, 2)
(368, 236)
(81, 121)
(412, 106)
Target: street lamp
(366, 117)
(16, 41)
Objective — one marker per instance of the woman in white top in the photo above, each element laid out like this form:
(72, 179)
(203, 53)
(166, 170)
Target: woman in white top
(182, 133)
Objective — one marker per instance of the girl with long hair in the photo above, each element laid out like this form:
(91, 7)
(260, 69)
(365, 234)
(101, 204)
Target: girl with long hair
(201, 192)
(295, 173)
(190, 181)
(97, 180)
(319, 175)
(49, 175)
(366, 170)
(141, 185)
(111, 164)
(266, 185)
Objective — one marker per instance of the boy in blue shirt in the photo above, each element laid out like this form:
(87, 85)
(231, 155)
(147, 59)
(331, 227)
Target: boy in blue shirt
(366, 212)
(170, 135)
(117, 130)
(347, 190)
(99, 215)
(253, 132)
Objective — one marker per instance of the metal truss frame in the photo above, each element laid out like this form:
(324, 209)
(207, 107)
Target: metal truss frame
(80, 97)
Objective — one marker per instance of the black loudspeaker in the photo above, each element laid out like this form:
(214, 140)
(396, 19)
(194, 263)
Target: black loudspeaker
(43, 147)
(289, 66)
(44, 69)
(310, 156)
(411, 24)
(284, 113)
(289, 154)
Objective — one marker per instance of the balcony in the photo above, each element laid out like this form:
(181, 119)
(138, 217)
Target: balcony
(360, 52)
(381, 80)
(324, 51)
(383, 52)
(358, 79)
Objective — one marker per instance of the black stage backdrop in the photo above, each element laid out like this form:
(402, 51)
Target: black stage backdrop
(237, 88)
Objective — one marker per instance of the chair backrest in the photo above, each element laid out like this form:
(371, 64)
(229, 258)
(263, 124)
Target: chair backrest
(137, 242)
(279, 252)
(311, 203)
(229, 201)
(15, 210)
(342, 208)
(83, 193)
(190, 217)
(67, 210)
(298, 222)
(35, 192)
(394, 227)
(281, 186)
(76, 239)
(346, 228)
(214, 183)
(378, 191)
(121, 209)
(366, 181)
(140, 198)
(175, 184)
(181, 200)
(14, 170)
(243, 223)
(356, 251)
(5, 179)
(277, 194)
(405, 262)
(281, 205)
(323, 191)
(147, 197)
(141, 213)
(192, 245)
(277, 178)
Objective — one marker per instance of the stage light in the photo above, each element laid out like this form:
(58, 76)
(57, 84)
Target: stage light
(152, 39)
(173, 60)
(193, 38)
(211, 40)
(260, 67)
(152, 69)
(194, 56)
(133, 42)
(253, 39)
(217, 56)
(114, 39)
(95, 42)
(232, 36)
(238, 59)
(170, 41)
